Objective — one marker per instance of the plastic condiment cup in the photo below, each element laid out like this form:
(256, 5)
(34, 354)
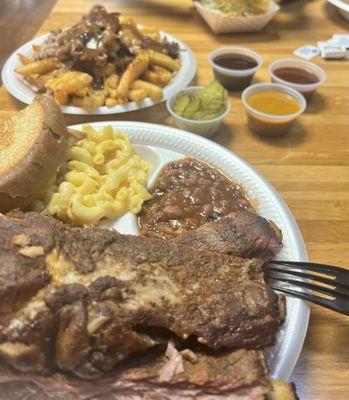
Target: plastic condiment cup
(268, 124)
(307, 89)
(205, 128)
(234, 79)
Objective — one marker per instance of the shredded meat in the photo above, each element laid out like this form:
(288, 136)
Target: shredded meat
(97, 40)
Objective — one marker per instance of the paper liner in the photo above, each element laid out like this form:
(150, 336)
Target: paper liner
(227, 23)
(342, 7)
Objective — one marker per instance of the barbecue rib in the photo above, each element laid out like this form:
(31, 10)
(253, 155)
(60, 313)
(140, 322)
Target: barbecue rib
(84, 299)
(241, 233)
(240, 375)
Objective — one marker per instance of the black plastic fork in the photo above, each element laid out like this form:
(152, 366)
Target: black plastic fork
(325, 285)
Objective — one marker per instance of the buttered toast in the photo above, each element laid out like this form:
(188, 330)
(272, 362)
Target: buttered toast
(33, 143)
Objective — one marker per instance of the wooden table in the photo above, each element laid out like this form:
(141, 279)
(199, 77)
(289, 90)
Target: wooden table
(19, 21)
(309, 166)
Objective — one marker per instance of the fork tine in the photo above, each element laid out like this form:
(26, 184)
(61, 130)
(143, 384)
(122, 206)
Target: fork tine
(287, 277)
(340, 304)
(337, 287)
(340, 275)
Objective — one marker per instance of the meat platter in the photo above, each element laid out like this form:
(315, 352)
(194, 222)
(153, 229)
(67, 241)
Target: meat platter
(165, 291)
(160, 145)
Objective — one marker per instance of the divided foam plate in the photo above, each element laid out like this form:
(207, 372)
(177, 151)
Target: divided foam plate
(158, 145)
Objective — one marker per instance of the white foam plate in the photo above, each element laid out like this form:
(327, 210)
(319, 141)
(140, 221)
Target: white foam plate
(158, 145)
(20, 89)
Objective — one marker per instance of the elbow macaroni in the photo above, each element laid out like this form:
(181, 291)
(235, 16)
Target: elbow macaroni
(104, 178)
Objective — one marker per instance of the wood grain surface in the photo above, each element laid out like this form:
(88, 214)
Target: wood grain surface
(19, 21)
(309, 166)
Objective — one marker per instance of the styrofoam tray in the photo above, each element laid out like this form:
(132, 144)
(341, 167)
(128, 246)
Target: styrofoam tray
(158, 145)
(21, 89)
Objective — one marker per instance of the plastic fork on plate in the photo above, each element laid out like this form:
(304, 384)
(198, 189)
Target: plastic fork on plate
(325, 285)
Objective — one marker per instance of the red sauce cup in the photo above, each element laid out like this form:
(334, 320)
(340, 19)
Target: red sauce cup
(307, 89)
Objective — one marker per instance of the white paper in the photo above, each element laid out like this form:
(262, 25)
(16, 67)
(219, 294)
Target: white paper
(340, 38)
(307, 52)
(329, 46)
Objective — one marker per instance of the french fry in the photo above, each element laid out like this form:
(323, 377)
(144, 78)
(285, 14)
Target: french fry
(91, 102)
(157, 75)
(153, 91)
(94, 100)
(70, 82)
(82, 92)
(37, 82)
(88, 102)
(67, 84)
(24, 59)
(133, 71)
(137, 95)
(113, 81)
(109, 102)
(49, 77)
(38, 67)
(149, 31)
(113, 93)
(61, 97)
(99, 97)
(163, 60)
(78, 101)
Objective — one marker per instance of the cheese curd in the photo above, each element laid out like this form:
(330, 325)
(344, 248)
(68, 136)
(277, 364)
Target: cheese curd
(104, 178)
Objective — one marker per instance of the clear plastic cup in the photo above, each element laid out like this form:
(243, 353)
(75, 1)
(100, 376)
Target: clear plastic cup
(205, 128)
(234, 79)
(268, 124)
(307, 89)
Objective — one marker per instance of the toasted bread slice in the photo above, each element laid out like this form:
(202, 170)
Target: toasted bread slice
(33, 144)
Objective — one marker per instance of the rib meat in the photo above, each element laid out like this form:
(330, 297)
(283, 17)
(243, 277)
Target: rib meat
(239, 375)
(241, 233)
(84, 299)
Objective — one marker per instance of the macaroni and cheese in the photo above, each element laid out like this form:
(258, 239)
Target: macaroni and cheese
(104, 178)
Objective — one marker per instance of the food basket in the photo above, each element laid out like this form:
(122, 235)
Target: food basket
(342, 7)
(228, 23)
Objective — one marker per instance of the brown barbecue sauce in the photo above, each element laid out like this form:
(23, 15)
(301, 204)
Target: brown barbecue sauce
(298, 76)
(234, 62)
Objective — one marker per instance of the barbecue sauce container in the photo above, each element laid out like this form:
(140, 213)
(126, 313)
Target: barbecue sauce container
(301, 75)
(271, 120)
(234, 67)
